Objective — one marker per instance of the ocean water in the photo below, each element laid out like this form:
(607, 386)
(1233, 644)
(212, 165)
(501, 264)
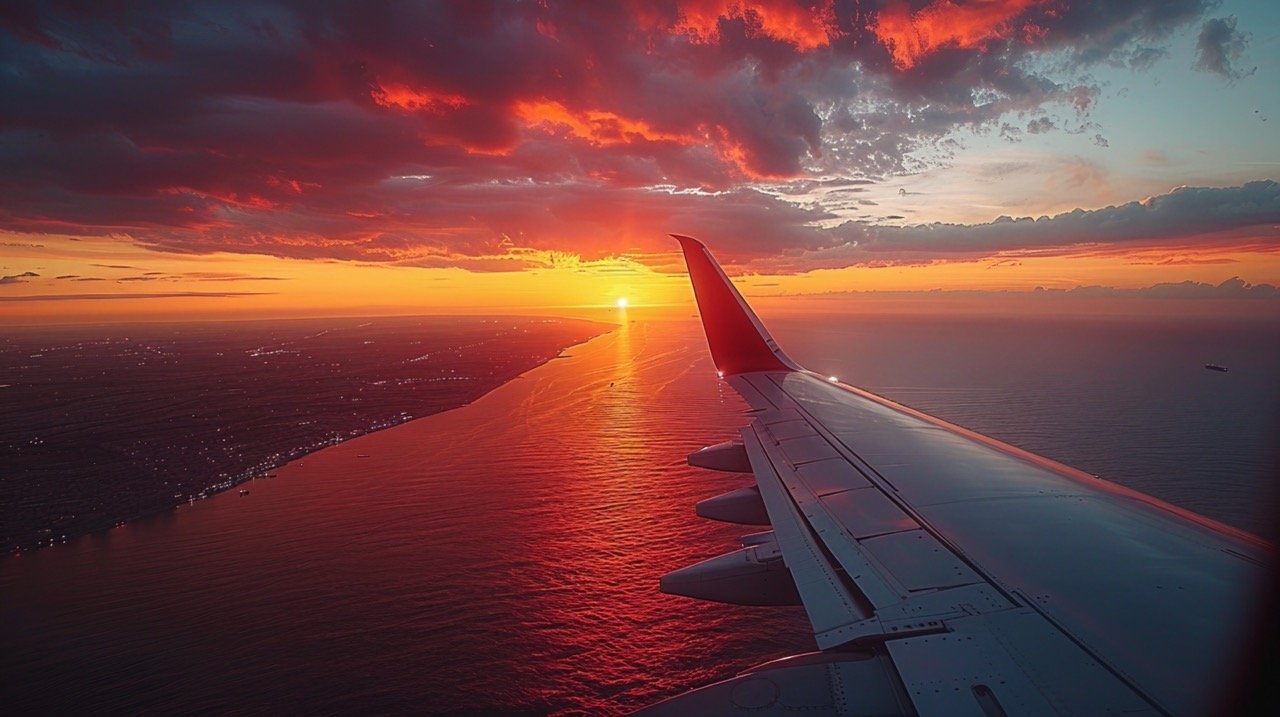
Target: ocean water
(503, 557)
(1127, 399)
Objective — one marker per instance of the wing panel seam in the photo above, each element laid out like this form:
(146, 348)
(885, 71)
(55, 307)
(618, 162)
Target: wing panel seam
(827, 601)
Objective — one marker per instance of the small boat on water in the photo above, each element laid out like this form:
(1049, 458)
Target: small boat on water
(1216, 367)
(244, 491)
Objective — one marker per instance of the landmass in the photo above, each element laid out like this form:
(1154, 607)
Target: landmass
(106, 424)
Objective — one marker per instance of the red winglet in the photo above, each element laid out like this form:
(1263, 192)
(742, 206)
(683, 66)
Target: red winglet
(739, 342)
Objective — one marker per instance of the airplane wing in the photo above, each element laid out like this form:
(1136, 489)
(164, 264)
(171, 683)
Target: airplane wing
(947, 573)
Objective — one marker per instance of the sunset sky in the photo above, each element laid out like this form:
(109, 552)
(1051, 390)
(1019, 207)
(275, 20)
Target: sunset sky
(253, 159)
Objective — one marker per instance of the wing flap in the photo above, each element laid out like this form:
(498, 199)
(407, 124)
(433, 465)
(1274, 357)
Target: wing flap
(857, 525)
(918, 561)
(870, 581)
(866, 512)
(828, 601)
(831, 476)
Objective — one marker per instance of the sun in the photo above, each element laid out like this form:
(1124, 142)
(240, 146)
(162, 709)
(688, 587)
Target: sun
(621, 302)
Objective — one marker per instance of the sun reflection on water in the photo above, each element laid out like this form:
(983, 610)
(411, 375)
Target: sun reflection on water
(501, 557)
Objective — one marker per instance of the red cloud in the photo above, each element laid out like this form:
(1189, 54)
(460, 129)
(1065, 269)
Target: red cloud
(408, 98)
(805, 26)
(430, 131)
(601, 128)
(910, 36)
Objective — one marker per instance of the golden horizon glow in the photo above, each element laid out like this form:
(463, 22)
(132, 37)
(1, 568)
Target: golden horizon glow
(118, 278)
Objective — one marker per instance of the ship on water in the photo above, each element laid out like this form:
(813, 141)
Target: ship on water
(1216, 367)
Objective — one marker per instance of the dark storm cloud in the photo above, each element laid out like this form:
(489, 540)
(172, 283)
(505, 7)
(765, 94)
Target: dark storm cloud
(1120, 32)
(283, 128)
(1220, 47)
(18, 278)
(1233, 288)
(1040, 125)
(1201, 215)
(1144, 58)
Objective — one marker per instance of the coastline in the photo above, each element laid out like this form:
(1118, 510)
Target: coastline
(271, 462)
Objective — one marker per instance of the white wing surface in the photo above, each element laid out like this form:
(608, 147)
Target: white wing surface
(944, 572)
